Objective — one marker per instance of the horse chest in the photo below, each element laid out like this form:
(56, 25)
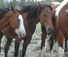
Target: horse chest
(8, 32)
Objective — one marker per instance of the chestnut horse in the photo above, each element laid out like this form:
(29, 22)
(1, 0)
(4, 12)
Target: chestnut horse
(54, 6)
(32, 14)
(60, 27)
(14, 19)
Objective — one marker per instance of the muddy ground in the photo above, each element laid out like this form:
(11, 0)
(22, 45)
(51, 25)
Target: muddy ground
(33, 49)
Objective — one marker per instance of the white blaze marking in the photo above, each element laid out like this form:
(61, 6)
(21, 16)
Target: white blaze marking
(61, 51)
(60, 7)
(21, 28)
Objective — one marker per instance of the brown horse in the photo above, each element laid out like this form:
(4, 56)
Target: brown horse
(61, 33)
(32, 14)
(54, 5)
(44, 34)
(60, 22)
(14, 20)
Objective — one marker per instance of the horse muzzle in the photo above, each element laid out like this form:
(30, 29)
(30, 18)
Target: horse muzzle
(49, 30)
(20, 33)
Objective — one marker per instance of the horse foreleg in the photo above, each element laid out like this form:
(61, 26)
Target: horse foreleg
(25, 44)
(65, 44)
(43, 37)
(17, 43)
(9, 41)
(42, 46)
(0, 40)
(60, 42)
(0, 45)
(51, 46)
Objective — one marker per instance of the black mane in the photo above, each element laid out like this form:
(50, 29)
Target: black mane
(34, 10)
(18, 11)
(3, 11)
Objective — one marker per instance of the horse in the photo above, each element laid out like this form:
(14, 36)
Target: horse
(32, 14)
(14, 19)
(54, 6)
(44, 34)
(60, 29)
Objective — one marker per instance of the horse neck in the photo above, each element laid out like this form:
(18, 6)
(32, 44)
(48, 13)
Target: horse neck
(7, 15)
(30, 22)
(4, 25)
(5, 19)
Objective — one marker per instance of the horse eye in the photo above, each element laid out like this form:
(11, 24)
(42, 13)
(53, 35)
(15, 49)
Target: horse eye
(18, 20)
(44, 15)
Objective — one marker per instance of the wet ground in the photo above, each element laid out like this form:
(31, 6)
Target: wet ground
(33, 49)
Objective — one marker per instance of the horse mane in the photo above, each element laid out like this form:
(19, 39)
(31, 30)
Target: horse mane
(18, 11)
(25, 8)
(34, 10)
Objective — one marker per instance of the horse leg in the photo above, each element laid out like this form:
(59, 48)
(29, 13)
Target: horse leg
(17, 43)
(51, 46)
(60, 42)
(43, 37)
(65, 44)
(25, 44)
(0, 40)
(9, 41)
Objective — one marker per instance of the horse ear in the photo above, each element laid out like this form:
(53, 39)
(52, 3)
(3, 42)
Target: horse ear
(13, 9)
(40, 4)
(49, 4)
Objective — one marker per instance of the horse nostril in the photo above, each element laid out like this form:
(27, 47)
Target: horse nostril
(24, 34)
(49, 29)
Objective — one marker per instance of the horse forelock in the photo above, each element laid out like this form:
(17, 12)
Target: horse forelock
(45, 6)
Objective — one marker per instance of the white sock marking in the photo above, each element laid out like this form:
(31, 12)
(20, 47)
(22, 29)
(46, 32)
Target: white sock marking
(61, 52)
(51, 53)
(42, 51)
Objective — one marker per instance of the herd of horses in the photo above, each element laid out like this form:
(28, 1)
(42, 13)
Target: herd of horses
(21, 24)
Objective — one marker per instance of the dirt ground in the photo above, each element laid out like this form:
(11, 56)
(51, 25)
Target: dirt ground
(33, 49)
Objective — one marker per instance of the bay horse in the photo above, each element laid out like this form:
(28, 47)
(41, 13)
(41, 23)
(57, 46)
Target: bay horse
(32, 14)
(60, 23)
(44, 34)
(14, 19)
